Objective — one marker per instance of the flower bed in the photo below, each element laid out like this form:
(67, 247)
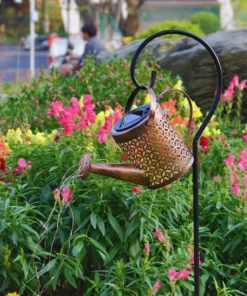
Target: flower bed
(61, 235)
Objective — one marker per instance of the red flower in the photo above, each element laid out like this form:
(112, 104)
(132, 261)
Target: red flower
(2, 164)
(204, 144)
(244, 137)
(124, 157)
(136, 189)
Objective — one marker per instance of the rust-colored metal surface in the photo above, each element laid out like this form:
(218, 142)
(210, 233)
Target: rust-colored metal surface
(157, 153)
(125, 172)
(154, 147)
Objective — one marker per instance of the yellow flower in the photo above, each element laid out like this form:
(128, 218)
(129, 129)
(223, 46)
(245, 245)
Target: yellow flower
(81, 101)
(39, 138)
(13, 294)
(52, 135)
(14, 136)
(206, 132)
(196, 110)
(147, 99)
(178, 84)
(134, 106)
(100, 118)
(211, 131)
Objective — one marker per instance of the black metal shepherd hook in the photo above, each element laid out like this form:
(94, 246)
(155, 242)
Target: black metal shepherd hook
(197, 135)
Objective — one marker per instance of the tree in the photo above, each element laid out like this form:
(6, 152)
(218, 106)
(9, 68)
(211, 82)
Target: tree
(111, 12)
(227, 20)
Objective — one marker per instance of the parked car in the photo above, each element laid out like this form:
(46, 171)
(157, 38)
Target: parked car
(61, 47)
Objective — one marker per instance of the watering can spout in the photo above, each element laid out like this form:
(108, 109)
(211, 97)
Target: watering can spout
(124, 172)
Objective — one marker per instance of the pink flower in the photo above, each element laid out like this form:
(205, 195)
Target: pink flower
(244, 137)
(243, 85)
(104, 130)
(232, 177)
(147, 248)
(66, 195)
(76, 107)
(88, 106)
(56, 194)
(87, 100)
(230, 160)
(228, 95)
(236, 189)
(23, 166)
(56, 109)
(242, 162)
(235, 80)
(159, 235)
(189, 268)
(183, 274)
(66, 115)
(172, 274)
(136, 189)
(108, 123)
(81, 124)
(217, 178)
(102, 135)
(192, 258)
(90, 116)
(116, 117)
(69, 127)
(245, 181)
(156, 287)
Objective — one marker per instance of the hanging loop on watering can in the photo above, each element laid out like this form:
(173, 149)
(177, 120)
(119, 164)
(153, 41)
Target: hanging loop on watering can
(197, 135)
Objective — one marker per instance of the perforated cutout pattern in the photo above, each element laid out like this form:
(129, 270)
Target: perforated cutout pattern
(160, 153)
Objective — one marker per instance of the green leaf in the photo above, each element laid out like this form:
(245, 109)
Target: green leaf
(48, 267)
(77, 248)
(29, 229)
(69, 277)
(101, 225)
(6, 205)
(98, 246)
(54, 280)
(218, 205)
(115, 225)
(93, 219)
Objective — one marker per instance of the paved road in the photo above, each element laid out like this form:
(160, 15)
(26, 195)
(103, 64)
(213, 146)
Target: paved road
(11, 56)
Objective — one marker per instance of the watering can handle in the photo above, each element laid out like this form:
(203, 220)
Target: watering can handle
(152, 97)
(191, 110)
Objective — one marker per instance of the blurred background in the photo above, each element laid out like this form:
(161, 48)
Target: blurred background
(58, 25)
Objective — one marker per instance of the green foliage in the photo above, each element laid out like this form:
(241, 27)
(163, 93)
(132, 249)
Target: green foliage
(95, 244)
(171, 24)
(108, 84)
(207, 21)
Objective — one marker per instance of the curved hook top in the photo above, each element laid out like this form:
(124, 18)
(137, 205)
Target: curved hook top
(153, 74)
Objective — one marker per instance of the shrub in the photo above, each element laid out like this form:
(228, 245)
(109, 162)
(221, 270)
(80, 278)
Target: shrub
(106, 82)
(207, 21)
(171, 24)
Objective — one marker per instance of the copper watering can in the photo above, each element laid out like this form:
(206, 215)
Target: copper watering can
(146, 135)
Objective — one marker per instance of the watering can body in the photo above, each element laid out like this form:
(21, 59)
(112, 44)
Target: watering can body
(152, 145)
(157, 154)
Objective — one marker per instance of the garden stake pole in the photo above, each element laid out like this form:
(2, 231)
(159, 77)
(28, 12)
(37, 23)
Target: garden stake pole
(32, 38)
(197, 135)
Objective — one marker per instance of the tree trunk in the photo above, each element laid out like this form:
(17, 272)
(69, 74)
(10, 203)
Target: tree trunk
(227, 20)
